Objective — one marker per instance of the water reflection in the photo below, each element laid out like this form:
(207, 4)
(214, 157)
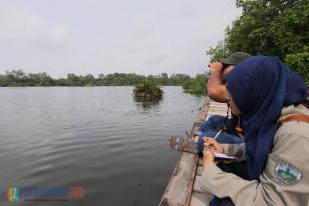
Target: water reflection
(147, 104)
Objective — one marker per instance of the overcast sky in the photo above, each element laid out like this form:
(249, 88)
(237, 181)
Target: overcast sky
(107, 36)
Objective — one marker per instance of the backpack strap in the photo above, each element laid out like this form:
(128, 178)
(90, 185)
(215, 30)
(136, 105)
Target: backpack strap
(295, 117)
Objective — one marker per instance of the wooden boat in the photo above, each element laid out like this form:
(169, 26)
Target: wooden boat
(179, 191)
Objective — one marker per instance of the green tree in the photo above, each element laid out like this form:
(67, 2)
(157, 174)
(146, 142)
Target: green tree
(14, 78)
(88, 80)
(164, 79)
(218, 52)
(73, 80)
(40, 79)
(178, 79)
(270, 27)
(196, 85)
(300, 63)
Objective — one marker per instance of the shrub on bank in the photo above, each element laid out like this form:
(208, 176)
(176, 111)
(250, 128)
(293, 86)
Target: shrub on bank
(196, 85)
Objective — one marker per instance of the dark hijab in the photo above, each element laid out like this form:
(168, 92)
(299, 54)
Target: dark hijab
(260, 87)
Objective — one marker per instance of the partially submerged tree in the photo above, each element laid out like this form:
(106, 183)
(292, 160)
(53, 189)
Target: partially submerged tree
(147, 91)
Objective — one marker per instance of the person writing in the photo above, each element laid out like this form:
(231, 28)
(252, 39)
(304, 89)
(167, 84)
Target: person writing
(271, 100)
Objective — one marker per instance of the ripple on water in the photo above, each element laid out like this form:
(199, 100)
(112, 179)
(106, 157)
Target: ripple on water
(99, 138)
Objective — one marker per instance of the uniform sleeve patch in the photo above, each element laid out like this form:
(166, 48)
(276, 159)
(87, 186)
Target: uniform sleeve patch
(287, 173)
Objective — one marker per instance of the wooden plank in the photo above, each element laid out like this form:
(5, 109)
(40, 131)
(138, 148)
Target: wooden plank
(217, 103)
(179, 189)
(217, 110)
(198, 198)
(215, 113)
(222, 106)
(202, 115)
(217, 106)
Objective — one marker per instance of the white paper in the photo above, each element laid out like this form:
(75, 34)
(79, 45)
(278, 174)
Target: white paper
(224, 156)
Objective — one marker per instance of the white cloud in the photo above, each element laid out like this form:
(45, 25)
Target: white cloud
(145, 37)
(170, 39)
(21, 27)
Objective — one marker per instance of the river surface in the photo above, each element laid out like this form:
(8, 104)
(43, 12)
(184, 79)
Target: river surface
(95, 137)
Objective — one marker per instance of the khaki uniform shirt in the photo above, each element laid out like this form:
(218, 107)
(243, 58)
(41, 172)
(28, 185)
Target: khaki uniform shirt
(285, 179)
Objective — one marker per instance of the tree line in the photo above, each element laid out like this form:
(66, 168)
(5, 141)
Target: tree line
(19, 78)
(270, 27)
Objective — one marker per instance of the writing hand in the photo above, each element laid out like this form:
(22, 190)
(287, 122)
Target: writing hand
(211, 142)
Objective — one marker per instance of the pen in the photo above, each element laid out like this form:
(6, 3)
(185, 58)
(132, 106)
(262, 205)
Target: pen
(218, 133)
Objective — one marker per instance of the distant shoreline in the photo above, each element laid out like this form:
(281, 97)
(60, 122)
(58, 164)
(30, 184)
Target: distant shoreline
(18, 78)
(81, 86)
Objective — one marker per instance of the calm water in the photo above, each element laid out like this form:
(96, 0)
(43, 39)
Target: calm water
(96, 137)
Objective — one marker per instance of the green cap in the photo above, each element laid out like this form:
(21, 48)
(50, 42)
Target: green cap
(235, 58)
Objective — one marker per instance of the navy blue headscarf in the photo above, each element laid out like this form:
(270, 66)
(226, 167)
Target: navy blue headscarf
(260, 87)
